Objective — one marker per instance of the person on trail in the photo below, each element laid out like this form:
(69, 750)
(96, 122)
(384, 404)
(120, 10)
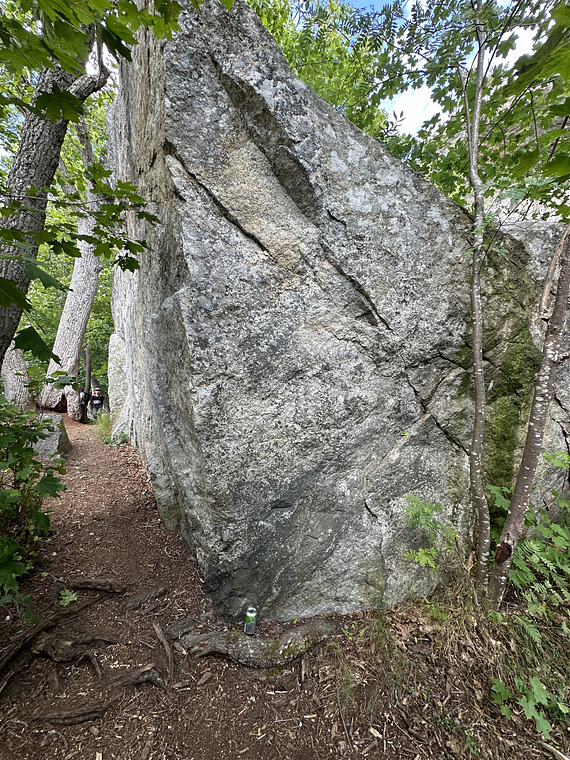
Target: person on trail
(84, 398)
(97, 402)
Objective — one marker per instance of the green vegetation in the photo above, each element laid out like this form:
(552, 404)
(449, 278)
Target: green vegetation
(442, 550)
(25, 481)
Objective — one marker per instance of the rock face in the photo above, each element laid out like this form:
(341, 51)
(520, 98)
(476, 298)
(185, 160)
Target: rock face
(289, 359)
(57, 442)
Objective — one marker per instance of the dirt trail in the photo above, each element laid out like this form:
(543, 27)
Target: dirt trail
(114, 666)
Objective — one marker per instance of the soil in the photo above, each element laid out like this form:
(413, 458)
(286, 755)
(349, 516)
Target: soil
(107, 678)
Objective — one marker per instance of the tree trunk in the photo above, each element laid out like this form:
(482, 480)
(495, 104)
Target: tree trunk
(30, 177)
(80, 298)
(87, 384)
(543, 390)
(14, 374)
(476, 451)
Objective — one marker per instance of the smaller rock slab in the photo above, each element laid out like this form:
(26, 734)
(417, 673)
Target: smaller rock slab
(57, 441)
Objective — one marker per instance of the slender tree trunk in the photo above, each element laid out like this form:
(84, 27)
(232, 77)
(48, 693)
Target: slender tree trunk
(30, 177)
(543, 390)
(87, 385)
(14, 374)
(476, 451)
(80, 298)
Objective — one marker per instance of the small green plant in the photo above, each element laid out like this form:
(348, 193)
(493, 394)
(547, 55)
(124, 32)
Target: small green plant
(67, 597)
(540, 569)
(442, 538)
(352, 631)
(437, 613)
(104, 428)
(500, 695)
(534, 699)
(25, 481)
(471, 744)
(446, 722)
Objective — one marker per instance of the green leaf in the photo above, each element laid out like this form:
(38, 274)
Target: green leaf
(66, 597)
(10, 293)
(30, 340)
(9, 571)
(41, 522)
(59, 104)
(543, 726)
(538, 691)
(49, 485)
(499, 692)
(529, 706)
(559, 166)
(35, 272)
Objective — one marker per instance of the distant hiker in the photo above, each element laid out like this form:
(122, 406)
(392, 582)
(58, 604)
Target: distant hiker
(97, 401)
(84, 399)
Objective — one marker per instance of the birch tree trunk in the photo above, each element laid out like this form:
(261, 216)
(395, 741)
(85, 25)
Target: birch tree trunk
(476, 450)
(79, 300)
(30, 177)
(543, 390)
(14, 374)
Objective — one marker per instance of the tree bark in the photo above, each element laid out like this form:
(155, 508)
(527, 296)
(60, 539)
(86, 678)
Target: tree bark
(543, 390)
(87, 384)
(478, 257)
(80, 298)
(29, 180)
(14, 374)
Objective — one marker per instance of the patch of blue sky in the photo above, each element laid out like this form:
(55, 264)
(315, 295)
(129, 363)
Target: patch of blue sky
(417, 105)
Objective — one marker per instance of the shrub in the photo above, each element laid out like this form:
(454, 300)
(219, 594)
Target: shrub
(25, 481)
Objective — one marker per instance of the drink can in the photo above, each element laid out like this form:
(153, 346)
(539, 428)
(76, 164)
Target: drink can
(250, 621)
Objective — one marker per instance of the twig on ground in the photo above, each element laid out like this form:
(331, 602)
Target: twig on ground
(167, 648)
(556, 752)
(343, 722)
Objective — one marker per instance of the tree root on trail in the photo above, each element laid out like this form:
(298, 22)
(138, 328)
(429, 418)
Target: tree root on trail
(16, 659)
(96, 710)
(110, 585)
(73, 646)
(79, 714)
(259, 651)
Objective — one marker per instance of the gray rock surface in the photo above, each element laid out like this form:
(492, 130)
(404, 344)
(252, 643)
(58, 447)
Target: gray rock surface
(57, 442)
(290, 358)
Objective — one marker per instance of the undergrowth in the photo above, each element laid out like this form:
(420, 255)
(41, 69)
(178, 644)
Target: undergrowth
(25, 481)
(104, 429)
(475, 678)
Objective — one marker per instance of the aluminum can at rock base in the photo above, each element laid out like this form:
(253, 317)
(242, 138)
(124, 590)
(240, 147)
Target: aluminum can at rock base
(250, 621)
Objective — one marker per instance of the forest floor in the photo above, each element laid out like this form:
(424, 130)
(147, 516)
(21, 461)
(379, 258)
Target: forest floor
(105, 677)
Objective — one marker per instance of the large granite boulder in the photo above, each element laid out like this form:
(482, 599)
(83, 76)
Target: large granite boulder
(290, 358)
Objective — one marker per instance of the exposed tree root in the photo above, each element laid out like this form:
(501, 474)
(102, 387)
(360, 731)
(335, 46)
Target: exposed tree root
(96, 710)
(15, 658)
(259, 651)
(110, 585)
